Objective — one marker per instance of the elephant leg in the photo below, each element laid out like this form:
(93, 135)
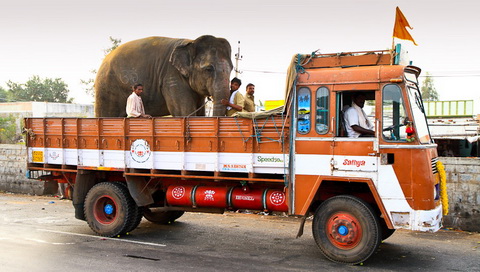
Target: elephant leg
(181, 102)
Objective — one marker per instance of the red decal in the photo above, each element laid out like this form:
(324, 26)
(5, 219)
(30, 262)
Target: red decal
(354, 162)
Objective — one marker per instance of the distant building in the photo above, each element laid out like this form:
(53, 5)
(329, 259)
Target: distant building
(20, 110)
(454, 125)
(46, 109)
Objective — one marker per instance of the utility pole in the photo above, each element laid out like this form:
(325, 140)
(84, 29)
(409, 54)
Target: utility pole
(237, 58)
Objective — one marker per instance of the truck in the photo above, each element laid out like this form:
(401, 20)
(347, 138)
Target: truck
(298, 161)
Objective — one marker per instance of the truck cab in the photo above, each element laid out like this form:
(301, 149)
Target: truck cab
(397, 164)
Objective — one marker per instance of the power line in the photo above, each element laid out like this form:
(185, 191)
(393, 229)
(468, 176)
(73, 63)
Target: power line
(265, 72)
(284, 73)
(472, 75)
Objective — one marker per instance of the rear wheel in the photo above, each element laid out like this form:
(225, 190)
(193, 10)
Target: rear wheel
(162, 217)
(137, 219)
(346, 229)
(109, 209)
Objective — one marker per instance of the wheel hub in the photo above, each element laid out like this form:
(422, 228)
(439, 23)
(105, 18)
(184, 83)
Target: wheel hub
(108, 209)
(344, 230)
(105, 211)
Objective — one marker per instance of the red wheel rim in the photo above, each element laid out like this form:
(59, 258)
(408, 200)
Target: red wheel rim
(344, 230)
(105, 210)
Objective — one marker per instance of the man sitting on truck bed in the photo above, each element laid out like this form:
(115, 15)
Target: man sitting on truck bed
(356, 120)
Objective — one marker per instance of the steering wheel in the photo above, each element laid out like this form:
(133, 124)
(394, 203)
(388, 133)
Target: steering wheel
(392, 127)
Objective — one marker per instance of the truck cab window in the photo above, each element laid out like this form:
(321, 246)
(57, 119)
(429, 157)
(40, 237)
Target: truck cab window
(394, 114)
(303, 113)
(321, 120)
(356, 114)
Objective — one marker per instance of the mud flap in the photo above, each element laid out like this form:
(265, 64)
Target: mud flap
(83, 182)
(302, 225)
(139, 190)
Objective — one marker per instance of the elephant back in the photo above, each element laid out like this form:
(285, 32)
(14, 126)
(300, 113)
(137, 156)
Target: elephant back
(140, 61)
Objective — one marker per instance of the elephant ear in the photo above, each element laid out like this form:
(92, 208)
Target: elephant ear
(182, 57)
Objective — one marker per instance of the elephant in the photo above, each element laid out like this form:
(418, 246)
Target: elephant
(177, 76)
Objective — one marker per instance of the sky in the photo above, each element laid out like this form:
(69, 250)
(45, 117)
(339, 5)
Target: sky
(66, 39)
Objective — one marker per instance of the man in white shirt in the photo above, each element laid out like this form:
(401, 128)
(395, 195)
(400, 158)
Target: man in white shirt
(356, 120)
(236, 101)
(135, 104)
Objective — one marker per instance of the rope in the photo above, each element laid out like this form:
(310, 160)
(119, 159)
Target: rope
(241, 133)
(187, 131)
(202, 106)
(258, 132)
(298, 67)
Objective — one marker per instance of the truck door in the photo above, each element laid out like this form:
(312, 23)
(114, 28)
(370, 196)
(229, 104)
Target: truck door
(354, 156)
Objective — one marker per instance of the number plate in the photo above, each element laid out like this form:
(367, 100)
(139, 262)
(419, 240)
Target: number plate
(37, 156)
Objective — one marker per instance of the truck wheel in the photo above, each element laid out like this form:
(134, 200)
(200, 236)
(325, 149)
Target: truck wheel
(109, 209)
(137, 219)
(161, 217)
(346, 229)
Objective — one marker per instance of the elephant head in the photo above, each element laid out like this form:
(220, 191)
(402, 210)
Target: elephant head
(206, 64)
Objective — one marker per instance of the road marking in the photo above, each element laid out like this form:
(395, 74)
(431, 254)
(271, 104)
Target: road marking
(103, 238)
(37, 240)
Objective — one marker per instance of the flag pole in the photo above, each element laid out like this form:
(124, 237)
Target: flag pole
(392, 54)
(393, 51)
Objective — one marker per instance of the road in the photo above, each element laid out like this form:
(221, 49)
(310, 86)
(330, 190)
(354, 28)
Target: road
(39, 233)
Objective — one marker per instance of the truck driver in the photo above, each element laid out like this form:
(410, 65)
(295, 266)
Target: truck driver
(356, 120)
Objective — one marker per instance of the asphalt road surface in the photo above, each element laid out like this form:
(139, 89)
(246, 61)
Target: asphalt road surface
(40, 233)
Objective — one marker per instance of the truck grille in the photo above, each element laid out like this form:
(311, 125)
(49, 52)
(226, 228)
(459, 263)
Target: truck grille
(434, 165)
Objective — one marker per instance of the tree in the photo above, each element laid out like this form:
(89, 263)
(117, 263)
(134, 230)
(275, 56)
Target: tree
(429, 93)
(8, 130)
(89, 83)
(37, 89)
(3, 95)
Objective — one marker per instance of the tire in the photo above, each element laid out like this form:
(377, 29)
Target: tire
(346, 229)
(109, 209)
(137, 219)
(161, 217)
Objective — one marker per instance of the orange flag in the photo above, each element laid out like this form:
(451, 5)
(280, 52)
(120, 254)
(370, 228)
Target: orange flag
(399, 30)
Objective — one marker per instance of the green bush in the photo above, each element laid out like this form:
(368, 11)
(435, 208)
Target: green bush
(8, 130)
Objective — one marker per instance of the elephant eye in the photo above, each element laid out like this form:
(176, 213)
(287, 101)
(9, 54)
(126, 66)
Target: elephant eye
(209, 68)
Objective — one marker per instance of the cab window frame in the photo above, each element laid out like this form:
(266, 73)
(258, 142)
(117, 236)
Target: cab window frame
(400, 127)
(304, 108)
(322, 110)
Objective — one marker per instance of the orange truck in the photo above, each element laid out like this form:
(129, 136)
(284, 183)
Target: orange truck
(299, 161)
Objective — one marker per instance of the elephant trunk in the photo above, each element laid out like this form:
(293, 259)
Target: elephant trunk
(219, 109)
(221, 91)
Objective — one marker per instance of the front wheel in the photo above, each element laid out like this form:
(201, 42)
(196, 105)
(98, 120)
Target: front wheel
(346, 229)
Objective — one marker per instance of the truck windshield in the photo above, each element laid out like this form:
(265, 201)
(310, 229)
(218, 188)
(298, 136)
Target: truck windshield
(394, 114)
(418, 111)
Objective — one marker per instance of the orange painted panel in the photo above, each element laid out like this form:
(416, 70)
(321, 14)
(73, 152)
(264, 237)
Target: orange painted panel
(336, 60)
(305, 189)
(313, 147)
(196, 134)
(414, 172)
(354, 148)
